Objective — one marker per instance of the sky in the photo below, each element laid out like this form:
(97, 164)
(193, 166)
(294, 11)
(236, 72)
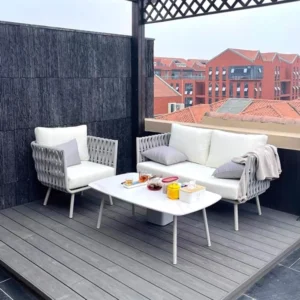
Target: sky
(270, 29)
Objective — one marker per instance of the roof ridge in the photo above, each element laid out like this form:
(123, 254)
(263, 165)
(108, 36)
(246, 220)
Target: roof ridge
(169, 86)
(293, 108)
(280, 114)
(193, 116)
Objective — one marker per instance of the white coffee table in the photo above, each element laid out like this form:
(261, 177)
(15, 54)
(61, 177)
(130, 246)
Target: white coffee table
(154, 200)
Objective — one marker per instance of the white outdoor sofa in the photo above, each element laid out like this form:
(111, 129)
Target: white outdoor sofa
(98, 159)
(206, 150)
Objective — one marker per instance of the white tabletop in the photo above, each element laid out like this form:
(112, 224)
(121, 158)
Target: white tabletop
(154, 200)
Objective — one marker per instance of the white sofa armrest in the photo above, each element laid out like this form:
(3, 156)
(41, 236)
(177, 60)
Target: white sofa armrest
(103, 151)
(149, 142)
(254, 187)
(50, 166)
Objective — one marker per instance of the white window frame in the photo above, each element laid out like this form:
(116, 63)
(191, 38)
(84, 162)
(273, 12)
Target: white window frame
(210, 73)
(224, 72)
(279, 88)
(217, 72)
(224, 89)
(255, 89)
(210, 88)
(232, 71)
(217, 89)
(259, 89)
(245, 70)
(191, 92)
(246, 89)
(259, 70)
(238, 89)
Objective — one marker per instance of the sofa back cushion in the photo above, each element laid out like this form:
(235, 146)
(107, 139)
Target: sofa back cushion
(51, 137)
(226, 145)
(191, 141)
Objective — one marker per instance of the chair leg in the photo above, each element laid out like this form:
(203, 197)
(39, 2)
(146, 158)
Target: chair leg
(72, 206)
(47, 196)
(258, 205)
(111, 200)
(236, 217)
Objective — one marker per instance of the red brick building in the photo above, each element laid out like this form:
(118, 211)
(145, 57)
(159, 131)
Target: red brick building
(237, 73)
(186, 76)
(165, 97)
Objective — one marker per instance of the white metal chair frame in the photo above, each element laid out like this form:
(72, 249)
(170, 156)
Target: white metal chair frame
(50, 165)
(254, 188)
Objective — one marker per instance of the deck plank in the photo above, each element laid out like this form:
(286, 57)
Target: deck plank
(106, 279)
(45, 283)
(129, 258)
(164, 268)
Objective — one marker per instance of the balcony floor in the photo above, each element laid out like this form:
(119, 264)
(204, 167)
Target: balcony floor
(129, 258)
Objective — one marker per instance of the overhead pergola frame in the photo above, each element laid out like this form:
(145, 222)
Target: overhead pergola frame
(154, 11)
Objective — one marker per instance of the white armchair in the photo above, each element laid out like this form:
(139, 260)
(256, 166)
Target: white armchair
(50, 165)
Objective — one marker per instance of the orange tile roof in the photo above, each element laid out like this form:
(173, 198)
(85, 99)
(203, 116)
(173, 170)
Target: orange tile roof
(163, 89)
(258, 108)
(288, 57)
(269, 56)
(250, 54)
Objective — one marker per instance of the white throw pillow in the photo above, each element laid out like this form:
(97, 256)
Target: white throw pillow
(55, 136)
(227, 145)
(191, 141)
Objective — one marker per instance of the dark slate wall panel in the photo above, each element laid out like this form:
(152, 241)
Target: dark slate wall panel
(53, 77)
(284, 193)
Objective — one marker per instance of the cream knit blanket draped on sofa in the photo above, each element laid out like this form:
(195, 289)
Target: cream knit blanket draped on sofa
(267, 167)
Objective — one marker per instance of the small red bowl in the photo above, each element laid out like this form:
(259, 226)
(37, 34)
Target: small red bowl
(154, 187)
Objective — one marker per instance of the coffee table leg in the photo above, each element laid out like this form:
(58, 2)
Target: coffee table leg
(100, 213)
(133, 209)
(174, 240)
(206, 227)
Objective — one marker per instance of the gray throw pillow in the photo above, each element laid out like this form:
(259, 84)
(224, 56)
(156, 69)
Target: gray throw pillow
(165, 155)
(71, 152)
(230, 170)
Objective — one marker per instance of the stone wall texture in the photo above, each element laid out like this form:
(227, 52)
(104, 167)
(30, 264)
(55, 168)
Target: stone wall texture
(55, 77)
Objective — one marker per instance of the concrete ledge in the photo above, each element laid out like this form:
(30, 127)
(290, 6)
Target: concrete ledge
(284, 136)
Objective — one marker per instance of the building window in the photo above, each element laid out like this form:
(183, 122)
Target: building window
(255, 90)
(231, 89)
(188, 101)
(175, 74)
(188, 89)
(177, 87)
(275, 91)
(217, 99)
(210, 74)
(217, 73)
(224, 74)
(246, 88)
(209, 101)
(238, 90)
(157, 72)
(210, 90)
(259, 89)
(217, 90)
(245, 72)
(224, 89)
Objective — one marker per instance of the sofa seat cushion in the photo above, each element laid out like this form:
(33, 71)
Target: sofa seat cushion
(87, 172)
(186, 171)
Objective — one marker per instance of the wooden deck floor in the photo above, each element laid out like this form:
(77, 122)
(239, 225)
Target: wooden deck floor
(129, 258)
